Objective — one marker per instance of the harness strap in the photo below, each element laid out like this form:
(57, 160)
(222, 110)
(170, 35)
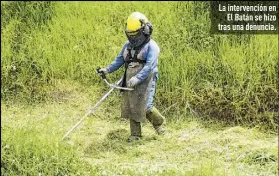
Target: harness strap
(133, 58)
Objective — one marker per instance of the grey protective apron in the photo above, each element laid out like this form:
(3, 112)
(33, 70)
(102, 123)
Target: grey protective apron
(135, 102)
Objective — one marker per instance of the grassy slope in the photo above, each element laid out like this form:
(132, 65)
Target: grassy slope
(227, 77)
(31, 135)
(31, 141)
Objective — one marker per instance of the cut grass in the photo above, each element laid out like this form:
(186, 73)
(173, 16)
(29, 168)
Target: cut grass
(31, 142)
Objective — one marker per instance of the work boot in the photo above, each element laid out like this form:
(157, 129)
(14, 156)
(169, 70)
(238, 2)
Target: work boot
(156, 119)
(135, 128)
(160, 130)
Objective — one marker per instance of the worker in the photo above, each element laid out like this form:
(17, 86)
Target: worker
(139, 55)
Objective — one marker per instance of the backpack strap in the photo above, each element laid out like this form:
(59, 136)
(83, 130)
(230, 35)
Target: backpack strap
(133, 57)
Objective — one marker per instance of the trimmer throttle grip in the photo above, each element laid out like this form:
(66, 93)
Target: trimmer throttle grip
(101, 73)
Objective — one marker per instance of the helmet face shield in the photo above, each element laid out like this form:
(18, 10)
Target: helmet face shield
(136, 38)
(133, 33)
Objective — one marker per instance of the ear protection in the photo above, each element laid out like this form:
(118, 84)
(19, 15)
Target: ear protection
(147, 28)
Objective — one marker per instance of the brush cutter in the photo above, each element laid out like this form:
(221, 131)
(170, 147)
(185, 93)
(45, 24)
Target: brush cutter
(102, 74)
(99, 102)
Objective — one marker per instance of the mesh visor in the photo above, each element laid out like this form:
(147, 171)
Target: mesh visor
(135, 37)
(133, 34)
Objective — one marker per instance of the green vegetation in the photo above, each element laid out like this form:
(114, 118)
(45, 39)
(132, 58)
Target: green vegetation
(31, 141)
(226, 77)
(49, 55)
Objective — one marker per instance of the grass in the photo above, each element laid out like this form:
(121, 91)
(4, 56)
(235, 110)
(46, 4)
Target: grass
(217, 91)
(226, 77)
(31, 141)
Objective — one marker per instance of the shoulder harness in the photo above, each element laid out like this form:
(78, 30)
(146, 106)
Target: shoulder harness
(133, 56)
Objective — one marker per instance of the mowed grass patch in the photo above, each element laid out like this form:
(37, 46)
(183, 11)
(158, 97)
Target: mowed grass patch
(31, 142)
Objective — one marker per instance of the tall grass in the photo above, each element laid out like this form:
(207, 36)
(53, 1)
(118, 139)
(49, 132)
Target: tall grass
(228, 77)
(22, 68)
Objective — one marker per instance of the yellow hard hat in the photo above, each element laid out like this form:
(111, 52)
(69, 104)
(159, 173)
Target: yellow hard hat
(135, 21)
(138, 29)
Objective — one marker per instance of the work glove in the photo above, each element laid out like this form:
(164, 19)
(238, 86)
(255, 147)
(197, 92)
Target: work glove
(104, 70)
(133, 82)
